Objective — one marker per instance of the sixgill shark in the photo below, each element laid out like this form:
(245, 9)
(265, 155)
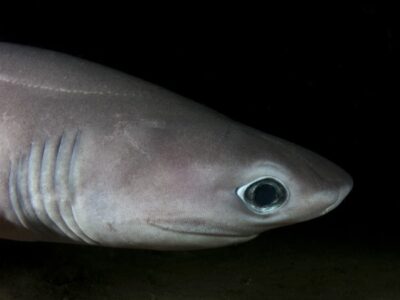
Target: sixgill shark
(94, 156)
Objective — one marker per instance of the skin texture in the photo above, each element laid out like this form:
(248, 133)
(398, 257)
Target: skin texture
(91, 155)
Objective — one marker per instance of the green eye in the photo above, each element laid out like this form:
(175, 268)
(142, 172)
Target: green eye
(263, 195)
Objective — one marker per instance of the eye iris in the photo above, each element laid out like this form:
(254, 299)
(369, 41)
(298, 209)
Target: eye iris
(266, 194)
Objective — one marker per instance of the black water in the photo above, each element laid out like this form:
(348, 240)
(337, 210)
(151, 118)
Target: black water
(324, 77)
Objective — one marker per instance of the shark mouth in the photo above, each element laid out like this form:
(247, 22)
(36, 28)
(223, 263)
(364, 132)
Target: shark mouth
(199, 227)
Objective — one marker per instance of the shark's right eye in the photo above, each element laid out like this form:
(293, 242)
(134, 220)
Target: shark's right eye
(263, 195)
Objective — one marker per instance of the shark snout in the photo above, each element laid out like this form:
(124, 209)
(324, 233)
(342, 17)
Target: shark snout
(335, 183)
(332, 184)
(341, 189)
(334, 178)
(340, 193)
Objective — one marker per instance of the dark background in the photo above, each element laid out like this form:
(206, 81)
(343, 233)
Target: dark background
(322, 76)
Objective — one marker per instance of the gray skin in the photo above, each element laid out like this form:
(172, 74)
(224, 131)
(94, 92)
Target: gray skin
(91, 155)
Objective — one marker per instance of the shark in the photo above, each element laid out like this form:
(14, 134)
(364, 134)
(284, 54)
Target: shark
(91, 155)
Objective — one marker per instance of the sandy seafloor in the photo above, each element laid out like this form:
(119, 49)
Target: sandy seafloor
(297, 262)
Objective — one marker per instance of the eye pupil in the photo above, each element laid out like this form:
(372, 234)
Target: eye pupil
(264, 195)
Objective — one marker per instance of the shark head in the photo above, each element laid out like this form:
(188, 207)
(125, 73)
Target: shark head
(96, 156)
(212, 187)
(256, 182)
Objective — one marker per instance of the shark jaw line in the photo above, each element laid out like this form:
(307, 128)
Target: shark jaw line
(168, 226)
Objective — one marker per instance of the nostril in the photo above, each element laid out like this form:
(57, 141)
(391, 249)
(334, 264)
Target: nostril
(345, 190)
(342, 193)
(334, 204)
(345, 185)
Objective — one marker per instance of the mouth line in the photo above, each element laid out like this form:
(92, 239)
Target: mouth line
(202, 233)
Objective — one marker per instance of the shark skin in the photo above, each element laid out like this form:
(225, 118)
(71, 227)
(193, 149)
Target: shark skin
(91, 155)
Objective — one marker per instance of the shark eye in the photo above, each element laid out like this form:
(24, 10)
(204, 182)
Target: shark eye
(263, 195)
